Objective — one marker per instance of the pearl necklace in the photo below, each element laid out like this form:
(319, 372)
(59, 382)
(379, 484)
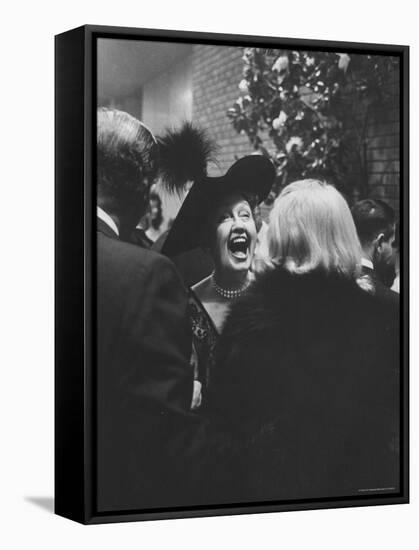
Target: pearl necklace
(229, 294)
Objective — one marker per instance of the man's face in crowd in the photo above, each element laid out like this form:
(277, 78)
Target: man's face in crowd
(385, 258)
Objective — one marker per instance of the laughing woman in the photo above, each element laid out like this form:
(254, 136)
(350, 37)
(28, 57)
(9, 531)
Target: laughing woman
(218, 216)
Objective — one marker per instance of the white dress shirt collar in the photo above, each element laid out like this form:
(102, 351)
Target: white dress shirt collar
(367, 263)
(104, 216)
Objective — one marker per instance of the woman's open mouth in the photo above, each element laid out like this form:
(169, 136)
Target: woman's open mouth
(238, 246)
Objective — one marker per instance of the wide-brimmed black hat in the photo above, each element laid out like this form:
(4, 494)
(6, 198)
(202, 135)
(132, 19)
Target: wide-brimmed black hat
(253, 174)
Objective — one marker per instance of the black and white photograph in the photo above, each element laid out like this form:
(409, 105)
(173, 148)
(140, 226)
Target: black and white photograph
(247, 266)
(248, 274)
(210, 275)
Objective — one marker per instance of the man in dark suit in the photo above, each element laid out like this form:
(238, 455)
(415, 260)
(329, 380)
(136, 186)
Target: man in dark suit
(144, 381)
(375, 223)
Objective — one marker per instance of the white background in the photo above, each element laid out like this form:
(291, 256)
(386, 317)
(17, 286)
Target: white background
(26, 270)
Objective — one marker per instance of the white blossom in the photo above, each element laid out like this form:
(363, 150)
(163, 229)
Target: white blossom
(281, 67)
(343, 61)
(294, 141)
(281, 64)
(243, 86)
(278, 122)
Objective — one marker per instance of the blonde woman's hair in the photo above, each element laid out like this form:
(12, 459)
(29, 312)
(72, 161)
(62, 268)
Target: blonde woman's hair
(310, 228)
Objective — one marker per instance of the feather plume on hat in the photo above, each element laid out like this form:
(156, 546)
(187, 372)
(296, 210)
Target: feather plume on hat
(184, 154)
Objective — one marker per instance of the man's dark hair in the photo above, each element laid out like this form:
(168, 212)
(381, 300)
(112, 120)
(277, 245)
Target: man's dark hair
(371, 218)
(126, 156)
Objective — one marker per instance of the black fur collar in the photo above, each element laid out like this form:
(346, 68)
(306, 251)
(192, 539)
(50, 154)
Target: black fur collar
(277, 294)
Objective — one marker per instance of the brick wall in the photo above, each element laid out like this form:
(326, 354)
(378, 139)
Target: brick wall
(383, 150)
(217, 71)
(381, 178)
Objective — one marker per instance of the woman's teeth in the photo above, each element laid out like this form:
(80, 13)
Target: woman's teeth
(238, 247)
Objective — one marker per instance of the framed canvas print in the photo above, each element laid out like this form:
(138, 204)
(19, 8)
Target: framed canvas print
(231, 274)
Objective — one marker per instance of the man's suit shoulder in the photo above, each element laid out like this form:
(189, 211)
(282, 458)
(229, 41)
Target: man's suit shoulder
(384, 295)
(130, 257)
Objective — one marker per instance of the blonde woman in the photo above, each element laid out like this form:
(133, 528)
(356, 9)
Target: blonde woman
(311, 358)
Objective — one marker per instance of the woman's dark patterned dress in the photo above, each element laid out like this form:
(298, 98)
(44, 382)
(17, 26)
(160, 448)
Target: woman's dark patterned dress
(204, 341)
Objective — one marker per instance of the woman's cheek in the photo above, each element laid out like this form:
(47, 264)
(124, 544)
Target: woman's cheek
(253, 235)
(220, 243)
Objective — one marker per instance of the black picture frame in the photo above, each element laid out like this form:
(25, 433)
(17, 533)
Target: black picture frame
(75, 114)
